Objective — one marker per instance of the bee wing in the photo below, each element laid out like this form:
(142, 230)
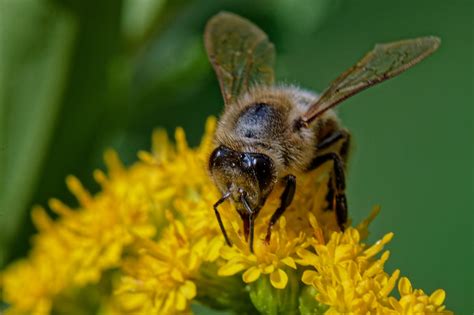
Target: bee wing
(384, 62)
(240, 54)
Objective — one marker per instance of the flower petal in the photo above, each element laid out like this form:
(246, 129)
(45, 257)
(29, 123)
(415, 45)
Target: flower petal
(307, 257)
(252, 274)
(213, 249)
(309, 276)
(437, 297)
(377, 247)
(404, 286)
(188, 289)
(230, 269)
(177, 275)
(180, 302)
(268, 269)
(228, 252)
(385, 291)
(279, 279)
(289, 261)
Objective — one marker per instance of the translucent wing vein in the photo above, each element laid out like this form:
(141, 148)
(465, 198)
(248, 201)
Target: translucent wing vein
(240, 53)
(384, 62)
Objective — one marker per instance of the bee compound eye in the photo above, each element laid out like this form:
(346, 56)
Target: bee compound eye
(263, 168)
(217, 157)
(223, 158)
(247, 161)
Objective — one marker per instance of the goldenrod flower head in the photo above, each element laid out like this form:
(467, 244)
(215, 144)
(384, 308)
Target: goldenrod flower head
(346, 275)
(415, 301)
(150, 239)
(160, 279)
(351, 280)
(36, 281)
(267, 259)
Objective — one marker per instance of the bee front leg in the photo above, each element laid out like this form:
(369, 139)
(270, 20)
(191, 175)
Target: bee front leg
(285, 200)
(219, 220)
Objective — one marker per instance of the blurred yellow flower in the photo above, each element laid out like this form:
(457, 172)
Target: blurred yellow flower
(29, 286)
(150, 239)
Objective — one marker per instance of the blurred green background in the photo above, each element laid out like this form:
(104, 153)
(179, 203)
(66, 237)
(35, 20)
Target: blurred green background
(77, 77)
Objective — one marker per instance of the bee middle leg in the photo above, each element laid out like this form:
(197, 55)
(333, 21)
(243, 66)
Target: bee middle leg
(285, 200)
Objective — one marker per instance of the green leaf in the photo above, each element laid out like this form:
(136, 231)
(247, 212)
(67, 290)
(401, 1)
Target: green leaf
(35, 47)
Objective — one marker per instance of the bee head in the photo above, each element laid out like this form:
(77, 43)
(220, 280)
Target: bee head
(247, 177)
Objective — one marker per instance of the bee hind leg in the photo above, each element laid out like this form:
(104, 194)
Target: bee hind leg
(337, 185)
(285, 200)
(334, 146)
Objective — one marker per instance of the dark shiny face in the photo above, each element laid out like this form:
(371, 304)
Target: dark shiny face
(250, 174)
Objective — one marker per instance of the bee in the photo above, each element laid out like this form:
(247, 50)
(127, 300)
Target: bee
(268, 134)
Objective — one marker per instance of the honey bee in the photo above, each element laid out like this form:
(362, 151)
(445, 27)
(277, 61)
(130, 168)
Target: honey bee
(268, 134)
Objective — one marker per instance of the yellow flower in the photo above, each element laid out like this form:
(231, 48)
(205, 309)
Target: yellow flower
(30, 285)
(346, 276)
(160, 280)
(415, 301)
(351, 280)
(182, 174)
(269, 259)
(152, 233)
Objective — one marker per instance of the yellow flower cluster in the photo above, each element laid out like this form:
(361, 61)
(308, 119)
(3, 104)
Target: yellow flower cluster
(159, 280)
(151, 232)
(75, 249)
(350, 280)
